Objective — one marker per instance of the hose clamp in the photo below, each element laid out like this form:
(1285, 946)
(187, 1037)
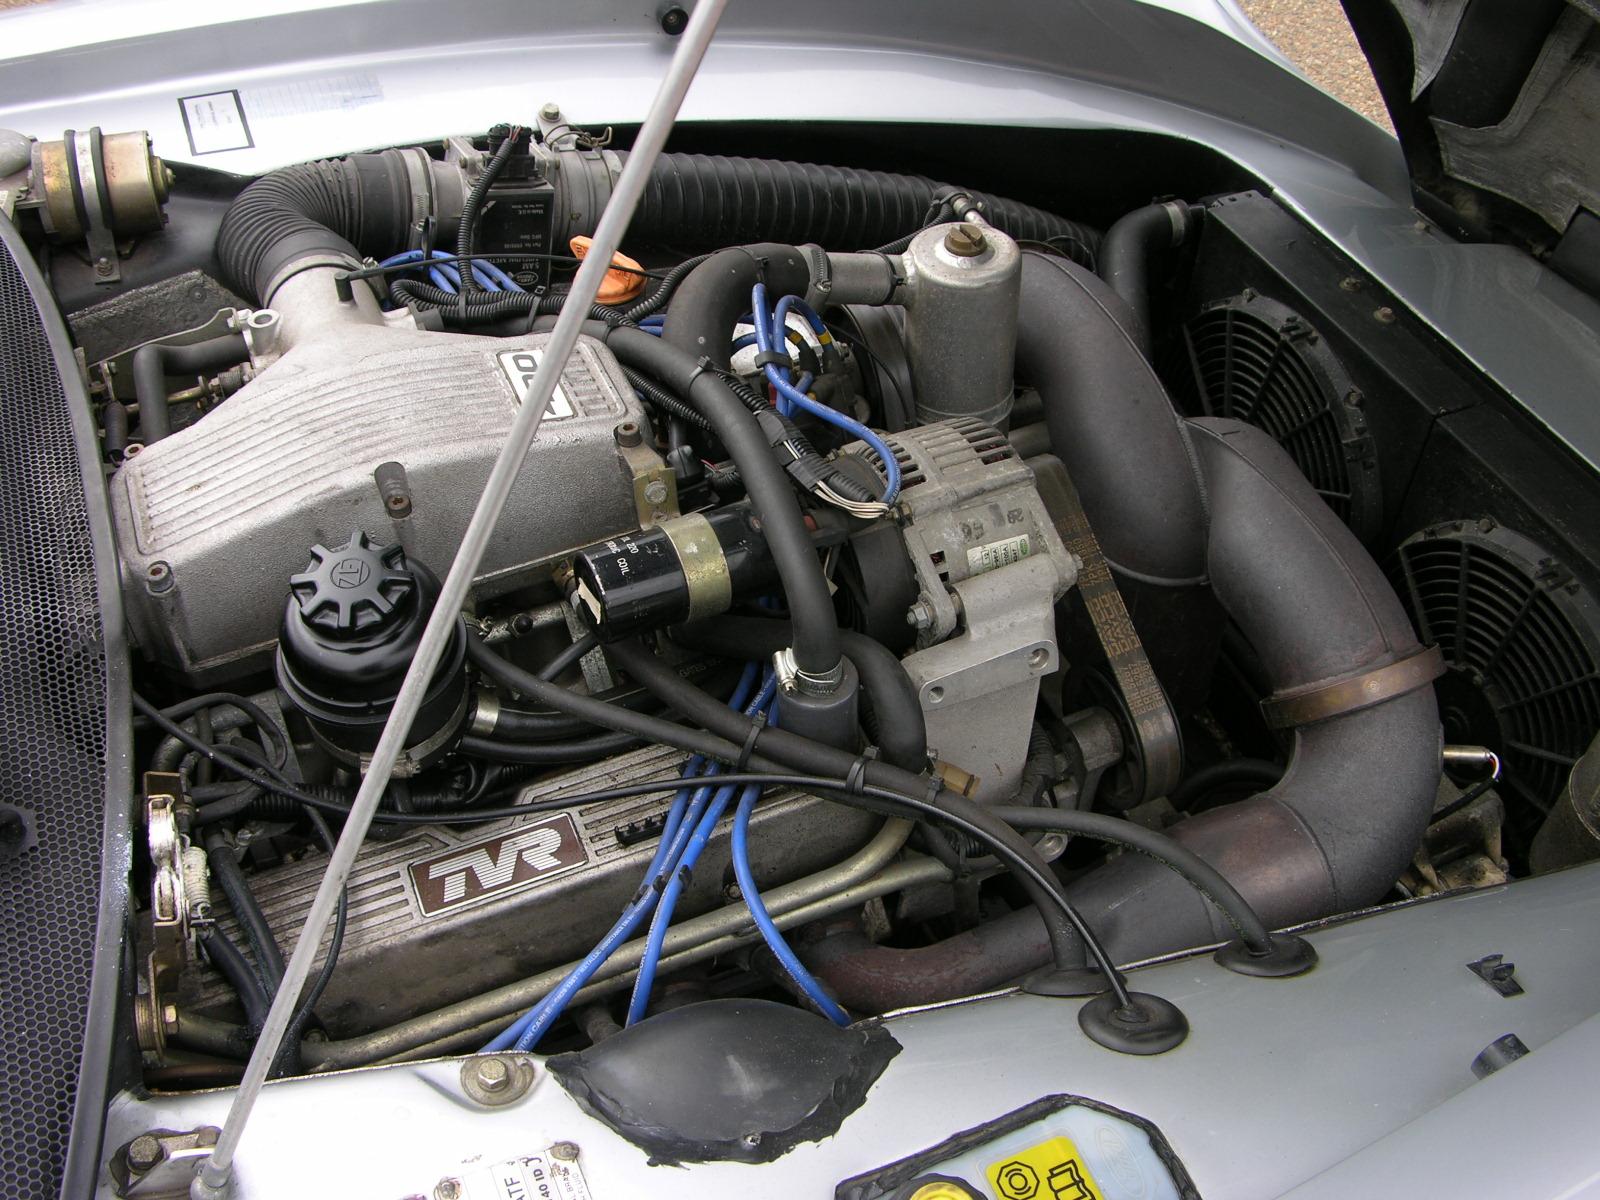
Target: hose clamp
(792, 679)
(1352, 693)
(485, 715)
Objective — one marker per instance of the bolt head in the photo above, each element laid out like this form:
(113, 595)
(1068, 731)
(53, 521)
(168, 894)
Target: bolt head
(145, 1151)
(966, 240)
(551, 111)
(494, 1075)
(564, 1151)
(1384, 315)
(447, 1189)
(655, 492)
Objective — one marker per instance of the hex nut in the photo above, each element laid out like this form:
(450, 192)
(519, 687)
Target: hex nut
(145, 1152)
(497, 1079)
(493, 1075)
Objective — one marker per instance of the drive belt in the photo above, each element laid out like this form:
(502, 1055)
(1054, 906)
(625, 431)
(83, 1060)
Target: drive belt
(1147, 715)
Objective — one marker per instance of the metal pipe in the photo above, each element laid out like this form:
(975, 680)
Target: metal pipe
(686, 942)
(212, 1181)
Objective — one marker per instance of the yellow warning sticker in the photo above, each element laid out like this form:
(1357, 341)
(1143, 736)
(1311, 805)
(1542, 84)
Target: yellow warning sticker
(1051, 1170)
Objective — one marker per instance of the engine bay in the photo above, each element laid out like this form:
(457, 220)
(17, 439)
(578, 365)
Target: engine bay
(966, 538)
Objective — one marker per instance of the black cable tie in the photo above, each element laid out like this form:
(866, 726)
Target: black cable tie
(855, 779)
(703, 366)
(760, 261)
(775, 358)
(757, 724)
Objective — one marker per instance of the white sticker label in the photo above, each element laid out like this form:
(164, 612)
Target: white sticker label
(537, 1177)
(520, 367)
(998, 554)
(215, 122)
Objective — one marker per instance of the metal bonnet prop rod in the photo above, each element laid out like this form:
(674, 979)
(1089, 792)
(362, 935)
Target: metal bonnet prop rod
(213, 1180)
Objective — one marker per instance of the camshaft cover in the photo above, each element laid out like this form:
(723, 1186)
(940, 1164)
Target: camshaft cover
(438, 915)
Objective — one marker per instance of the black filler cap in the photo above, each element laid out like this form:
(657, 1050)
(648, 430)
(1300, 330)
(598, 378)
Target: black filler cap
(351, 626)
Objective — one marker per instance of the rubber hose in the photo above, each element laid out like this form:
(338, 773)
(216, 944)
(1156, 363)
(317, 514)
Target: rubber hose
(716, 201)
(1129, 246)
(817, 647)
(152, 364)
(811, 757)
(583, 750)
(901, 731)
(232, 965)
(337, 209)
(663, 401)
(258, 934)
(713, 296)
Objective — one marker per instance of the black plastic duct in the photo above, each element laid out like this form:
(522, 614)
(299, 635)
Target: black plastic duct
(1174, 499)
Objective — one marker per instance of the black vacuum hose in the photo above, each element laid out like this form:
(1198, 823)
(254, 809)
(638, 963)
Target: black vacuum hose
(152, 364)
(816, 630)
(901, 733)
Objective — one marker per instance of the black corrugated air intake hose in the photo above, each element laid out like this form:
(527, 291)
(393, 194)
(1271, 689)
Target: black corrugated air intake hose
(1173, 499)
(336, 210)
(342, 209)
(710, 200)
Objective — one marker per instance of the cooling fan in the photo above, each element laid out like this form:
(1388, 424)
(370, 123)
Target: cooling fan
(1522, 640)
(1256, 360)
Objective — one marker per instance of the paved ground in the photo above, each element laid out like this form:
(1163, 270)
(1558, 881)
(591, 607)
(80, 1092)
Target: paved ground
(1312, 32)
(1315, 34)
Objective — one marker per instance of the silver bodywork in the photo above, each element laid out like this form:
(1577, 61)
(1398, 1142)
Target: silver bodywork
(1280, 1081)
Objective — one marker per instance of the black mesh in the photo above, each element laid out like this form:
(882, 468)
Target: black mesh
(53, 728)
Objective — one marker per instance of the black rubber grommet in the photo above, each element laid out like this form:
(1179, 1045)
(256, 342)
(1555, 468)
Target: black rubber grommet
(1064, 981)
(1290, 955)
(1150, 1025)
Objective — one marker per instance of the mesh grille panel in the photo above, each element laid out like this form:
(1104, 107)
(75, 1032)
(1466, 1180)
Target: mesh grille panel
(52, 721)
